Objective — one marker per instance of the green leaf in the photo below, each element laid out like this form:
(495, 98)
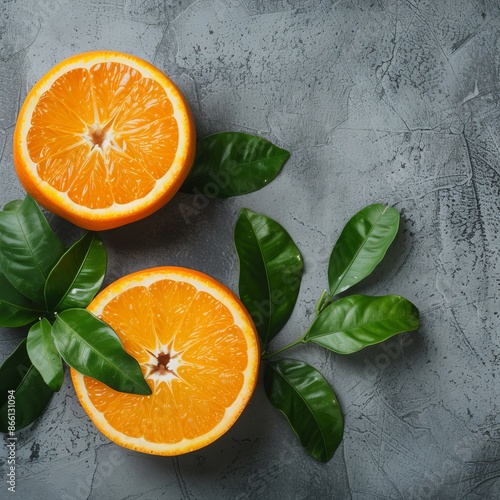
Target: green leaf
(77, 277)
(15, 308)
(91, 347)
(302, 394)
(232, 163)
(270, 271)
(357, 321)
(19, 377)
(43, 354)
(361, 246)
(28, 248)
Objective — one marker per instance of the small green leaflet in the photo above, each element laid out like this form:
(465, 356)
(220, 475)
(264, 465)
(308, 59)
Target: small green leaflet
(232, 163)
(306, 399)
(43, 354)
(28, 248)
(270, 272)
(357, 321)
(77, 276)
(91, 347)
(361, 246)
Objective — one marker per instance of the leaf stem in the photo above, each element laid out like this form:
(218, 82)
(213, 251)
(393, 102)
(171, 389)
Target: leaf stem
(319, 305)
(271, 354)
(267, 355)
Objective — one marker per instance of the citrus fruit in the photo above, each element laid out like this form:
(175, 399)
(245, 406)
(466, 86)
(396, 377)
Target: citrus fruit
(198, 350)
(103, 139)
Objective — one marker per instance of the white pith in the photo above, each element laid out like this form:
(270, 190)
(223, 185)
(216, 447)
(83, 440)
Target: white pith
(172, 366)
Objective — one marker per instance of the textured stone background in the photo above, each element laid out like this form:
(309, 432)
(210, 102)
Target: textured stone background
(378, 101)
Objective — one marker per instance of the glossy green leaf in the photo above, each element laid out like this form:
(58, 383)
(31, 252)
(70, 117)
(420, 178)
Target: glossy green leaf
(31, 393)
(43, 354)
(270, 271)
(306, 399)
(232, 163)
(357, 321)
(77, 277)
(91, 347)
(361, 246)
(28, 248)
(15, 308)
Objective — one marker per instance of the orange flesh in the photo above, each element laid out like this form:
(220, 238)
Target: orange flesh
(191, 354)
(103, 135)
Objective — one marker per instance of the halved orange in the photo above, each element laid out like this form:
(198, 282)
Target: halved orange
(198, 350)
(104, 139)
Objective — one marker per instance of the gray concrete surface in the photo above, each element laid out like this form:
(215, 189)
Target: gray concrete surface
(378, 101)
